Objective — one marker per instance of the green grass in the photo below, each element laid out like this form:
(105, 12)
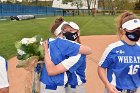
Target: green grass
(11, 31)
(100, 25)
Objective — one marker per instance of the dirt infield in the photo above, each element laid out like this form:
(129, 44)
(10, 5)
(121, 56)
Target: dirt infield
(94, 85)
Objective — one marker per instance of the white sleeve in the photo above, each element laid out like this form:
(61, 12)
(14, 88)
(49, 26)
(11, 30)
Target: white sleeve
(68, 63)
(3, 74)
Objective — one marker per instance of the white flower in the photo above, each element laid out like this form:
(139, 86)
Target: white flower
(32, 40)
(25, 41)
(28, 47)
(41, 43)
(20, 52)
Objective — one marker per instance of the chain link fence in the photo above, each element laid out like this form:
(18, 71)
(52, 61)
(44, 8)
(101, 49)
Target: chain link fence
(7, 10)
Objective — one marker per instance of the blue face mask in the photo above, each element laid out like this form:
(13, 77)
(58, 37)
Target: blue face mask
(70, 36)
(133, 36)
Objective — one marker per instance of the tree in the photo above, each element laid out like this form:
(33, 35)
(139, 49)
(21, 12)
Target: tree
(137, 7)
(88, 5)
(124, 4)
(66, 1)
(111, 5)
(102, 4)
(93, 3)
(94, 7)
(78, 4)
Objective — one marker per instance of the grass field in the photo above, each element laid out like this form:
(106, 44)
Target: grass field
(11, 31)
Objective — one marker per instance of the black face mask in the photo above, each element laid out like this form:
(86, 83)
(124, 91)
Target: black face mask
(133, 36)
(71, 36)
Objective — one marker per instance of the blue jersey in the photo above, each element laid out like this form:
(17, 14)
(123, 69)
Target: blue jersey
(123, 65)
(59, 49)
(76, 76)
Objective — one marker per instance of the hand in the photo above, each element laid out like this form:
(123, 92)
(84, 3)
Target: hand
(112, 89)
(45, 44)
(31, 65)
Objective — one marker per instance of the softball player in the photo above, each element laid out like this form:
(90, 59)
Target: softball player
(3, 76)
(122, 58)
(59, 49)
(75, 66)
(76, 78)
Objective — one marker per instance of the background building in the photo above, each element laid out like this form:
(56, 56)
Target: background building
(59, 4)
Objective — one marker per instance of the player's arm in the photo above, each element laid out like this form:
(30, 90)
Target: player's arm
(106, 62)
(51, 68)
(72, 48)
(85, 50)
(103, 77)
(4, 90)
(63, 66)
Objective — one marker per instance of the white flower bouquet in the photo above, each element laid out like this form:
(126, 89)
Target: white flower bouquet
(29, 50)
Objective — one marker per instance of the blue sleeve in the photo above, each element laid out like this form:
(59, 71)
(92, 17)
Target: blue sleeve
(67, 47)
(107, 61)
(80, 62)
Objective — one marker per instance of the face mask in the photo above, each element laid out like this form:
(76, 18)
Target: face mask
(71, 36)
(133, 36)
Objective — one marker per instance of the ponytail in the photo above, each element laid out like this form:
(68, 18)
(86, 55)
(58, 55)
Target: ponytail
(124, 17)
(56, 24)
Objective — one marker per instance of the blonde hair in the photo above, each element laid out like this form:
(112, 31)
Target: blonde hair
(124, 17)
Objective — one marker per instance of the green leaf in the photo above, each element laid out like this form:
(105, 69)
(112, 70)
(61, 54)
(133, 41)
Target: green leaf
(18, 45)
(19, 57)
(41, 51)
(38, 38)
(24, 48)
(32, 49)
(25, 56)
(35, 47)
